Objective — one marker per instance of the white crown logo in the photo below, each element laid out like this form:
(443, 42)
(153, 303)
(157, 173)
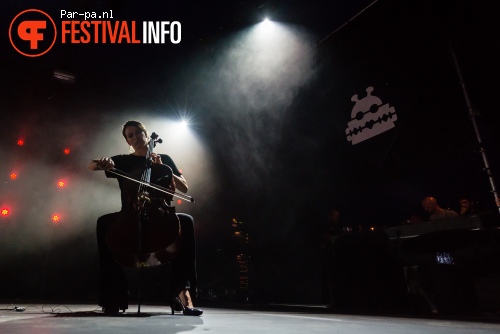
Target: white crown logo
(369, 118)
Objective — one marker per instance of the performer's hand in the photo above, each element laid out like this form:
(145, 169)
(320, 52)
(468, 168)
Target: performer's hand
(156, 158)
(105, 163)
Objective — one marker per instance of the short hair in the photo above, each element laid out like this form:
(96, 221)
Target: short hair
(134, 123)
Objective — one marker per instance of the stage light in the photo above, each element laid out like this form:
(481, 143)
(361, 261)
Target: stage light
(182, 125)
(61, 184)
(179, 201)
(66, 151)
(56, 218)
(5, 212)
(13, 176)
(178, 128)
(266, 23)
(20, 142)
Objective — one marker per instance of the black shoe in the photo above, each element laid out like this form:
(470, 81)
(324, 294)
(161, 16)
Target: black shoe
(176, 305)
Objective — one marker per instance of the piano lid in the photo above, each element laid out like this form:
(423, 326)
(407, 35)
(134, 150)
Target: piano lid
(416, 229)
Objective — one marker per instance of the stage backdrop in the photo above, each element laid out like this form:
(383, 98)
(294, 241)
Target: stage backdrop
(389, 114)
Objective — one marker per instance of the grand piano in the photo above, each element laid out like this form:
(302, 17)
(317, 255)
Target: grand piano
(462, 239)
(453, 264)
(447, 267)
(417, 229)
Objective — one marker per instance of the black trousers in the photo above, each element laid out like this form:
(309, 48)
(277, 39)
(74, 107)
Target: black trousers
(113, 290)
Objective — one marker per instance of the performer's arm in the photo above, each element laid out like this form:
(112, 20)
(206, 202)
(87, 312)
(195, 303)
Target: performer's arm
(102, 164)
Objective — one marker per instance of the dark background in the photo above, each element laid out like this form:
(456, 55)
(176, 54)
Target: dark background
(279, 159)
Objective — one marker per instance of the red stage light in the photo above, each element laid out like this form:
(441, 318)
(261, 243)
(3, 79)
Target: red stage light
(5, 212)
(13, 176)
(56, 218)
(20, 142)
(179, 201)
(66, 151)
(61, 184)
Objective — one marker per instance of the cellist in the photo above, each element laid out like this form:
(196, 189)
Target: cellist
(113, 292)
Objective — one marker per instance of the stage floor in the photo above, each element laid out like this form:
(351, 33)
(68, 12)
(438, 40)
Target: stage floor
(56, 319)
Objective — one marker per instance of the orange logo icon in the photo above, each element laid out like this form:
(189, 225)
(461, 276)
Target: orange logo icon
(32, 33)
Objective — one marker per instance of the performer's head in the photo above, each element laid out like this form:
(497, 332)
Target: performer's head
(136, 124)
(135, 133)
(429, 204)
(466, 205)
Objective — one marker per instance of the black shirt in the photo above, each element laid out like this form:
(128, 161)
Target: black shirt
(134, 165)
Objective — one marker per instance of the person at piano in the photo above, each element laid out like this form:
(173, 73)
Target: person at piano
(431, 206)
(467, 207)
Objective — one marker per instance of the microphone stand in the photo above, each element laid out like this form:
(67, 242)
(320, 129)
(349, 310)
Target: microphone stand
(472, 115)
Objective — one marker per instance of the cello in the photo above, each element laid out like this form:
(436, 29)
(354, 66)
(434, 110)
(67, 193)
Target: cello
(149, 234)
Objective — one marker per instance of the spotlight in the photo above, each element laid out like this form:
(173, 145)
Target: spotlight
(56, 218)
(66, 151)
(181, 126)
(267, 22)
(61, 184)
(13, 176)
(267, 25)
(20, 142)
(5, 212)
